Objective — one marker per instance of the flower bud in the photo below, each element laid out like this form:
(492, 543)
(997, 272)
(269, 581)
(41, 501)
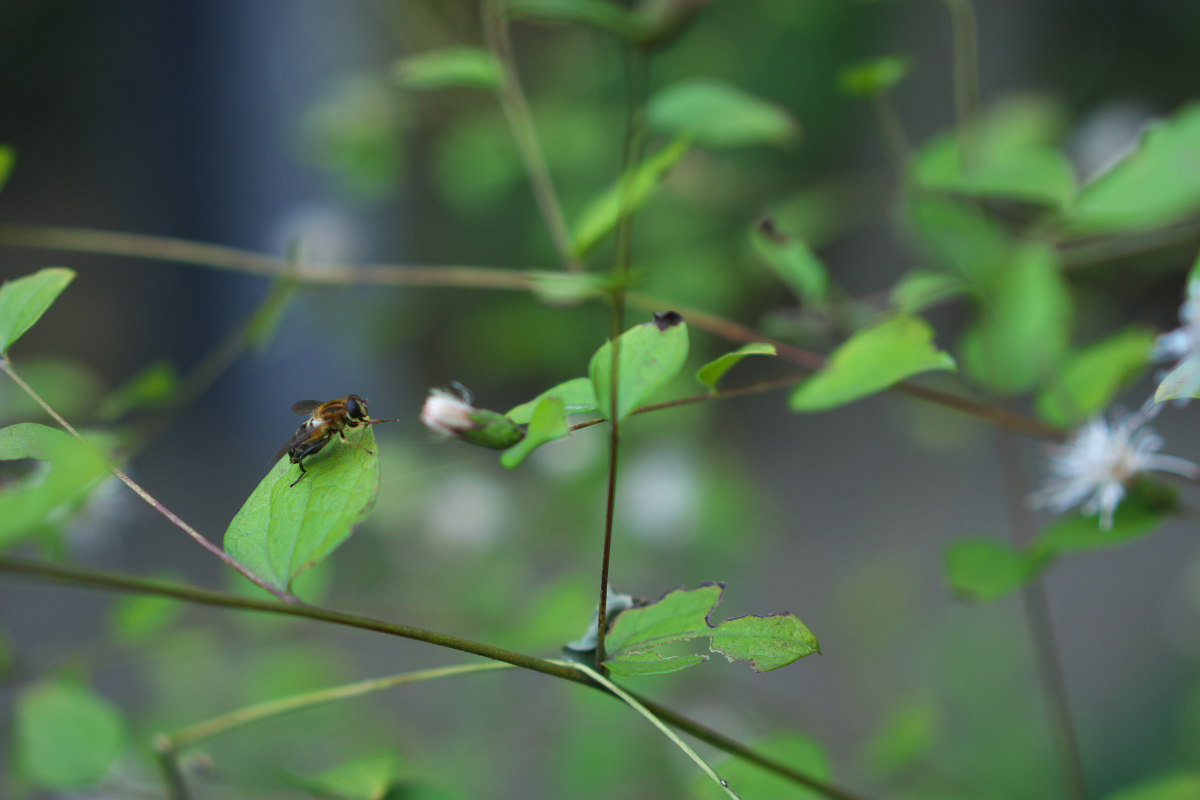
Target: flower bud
(449, 414)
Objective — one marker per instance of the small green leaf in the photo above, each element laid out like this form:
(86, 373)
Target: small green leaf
(136, 619)
(983, 570)
(1142, 512)
(368, 777)
(635, 643)
(8, 158)
(628, 194)
(153, 387)
(67, 736)
(282, 530)
(1176, 786)
(871, 78)
(802, 753)
(549, 422)
(651, 354)
(1157, 184)
(958, 236)
(795, 263)
(74, 468)
(1088, 380)
(1024, 323)
(872, 360)
(713, 371)
(918, 290)
(450, 68)
(1181, 382)
(908, 733)
(567, 289)
(23, 301)
(1030, 172)
(768, 642)
(599, 14)
(719, 116)
(577, 396)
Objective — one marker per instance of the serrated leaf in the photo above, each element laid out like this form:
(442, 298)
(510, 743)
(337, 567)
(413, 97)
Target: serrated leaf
(1175, 786)
(1181, 382)
(1024, 322)
(802, 753)
(600, 217)
(577, 396)
(918, 290)
(23, 301)
(74, 468)
(153, 387)
(983, 570)
(650, 355)
(598, 14)
(870, 78)
(713, 371)
(282, 530)
(452, 67)
(872, 360)
(1090, 378)
(1157, 184)
(768, 642)
(549, 423)
(67, 736)
(635, 644)
(720, 116)
(792, 260)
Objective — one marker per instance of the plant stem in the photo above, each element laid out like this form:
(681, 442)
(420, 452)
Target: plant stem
(200, 539)
(212, 256)
(1041, 629)
(96, 579)
(168, 764)
(891, 130)
(966, 79)
(520, 122)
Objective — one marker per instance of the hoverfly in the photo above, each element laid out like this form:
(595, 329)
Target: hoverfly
(325, 421)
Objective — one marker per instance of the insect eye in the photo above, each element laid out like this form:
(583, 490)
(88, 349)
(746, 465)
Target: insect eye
(356, 407)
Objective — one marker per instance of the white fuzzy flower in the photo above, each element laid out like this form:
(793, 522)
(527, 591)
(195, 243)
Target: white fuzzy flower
(1100, 458)
(1184, 341)
(447, 414)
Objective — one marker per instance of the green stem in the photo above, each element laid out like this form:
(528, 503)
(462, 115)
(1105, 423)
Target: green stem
(168, 765)
(125, 583)
(520, 122)
(966, 79)
(189, 736)
(198, 537)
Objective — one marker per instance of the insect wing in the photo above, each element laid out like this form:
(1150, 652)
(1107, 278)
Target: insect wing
(306, 406)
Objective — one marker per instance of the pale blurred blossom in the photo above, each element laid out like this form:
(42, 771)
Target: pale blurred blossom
(447, 414)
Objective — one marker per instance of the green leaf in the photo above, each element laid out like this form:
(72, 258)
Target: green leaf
(958, 236)
(153, 387)
(567, 289)
(1024, 323)
(918, 290)
(875, 77)
(768, 642)
(802, 753)
(1090, 378)
(577, 396)
(74, 468)
(283, 530)
(651, 354)
(719, 116)
(65, 385)
(8, 159)
(549, 422)
(1142, 512)
(713, 371)
(792, 260)
(983, 570)
(1177, 786)
(870, 361)
(23, 301)
(635, 645)
(450, 68)
(67, 736)
(628, 194)
(598, 14)
(1156, 185)
(1034, 173)
(7, 659)
(137, 619)
(1181, 382)
(368, 777)
(908, 733)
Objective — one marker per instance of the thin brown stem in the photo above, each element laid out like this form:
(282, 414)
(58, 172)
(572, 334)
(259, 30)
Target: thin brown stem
(520, 121)
(199, 538)
(96, 579)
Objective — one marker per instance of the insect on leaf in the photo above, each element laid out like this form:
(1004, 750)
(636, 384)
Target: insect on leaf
(23, 301)
(650, 355)
(282, 530)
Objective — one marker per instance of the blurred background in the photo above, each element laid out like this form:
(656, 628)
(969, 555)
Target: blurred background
(280, 126)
